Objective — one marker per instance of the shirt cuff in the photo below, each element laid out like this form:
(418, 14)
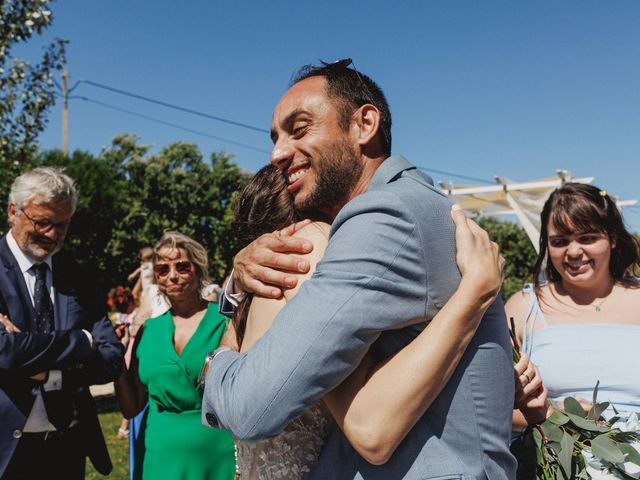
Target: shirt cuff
(233, 298)
(54, 381)
(92, 342)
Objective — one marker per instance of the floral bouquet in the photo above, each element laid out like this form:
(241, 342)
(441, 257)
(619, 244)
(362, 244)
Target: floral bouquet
(572, 444)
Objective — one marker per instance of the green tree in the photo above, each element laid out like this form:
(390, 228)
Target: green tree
(518, 252)
(26, 90)
(128, 197)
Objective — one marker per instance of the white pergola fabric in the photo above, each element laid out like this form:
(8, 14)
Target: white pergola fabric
(523, 199)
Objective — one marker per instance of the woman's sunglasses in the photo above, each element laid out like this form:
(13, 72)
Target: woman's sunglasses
(183, 268)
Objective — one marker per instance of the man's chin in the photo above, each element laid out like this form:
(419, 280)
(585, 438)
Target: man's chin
(41, 254)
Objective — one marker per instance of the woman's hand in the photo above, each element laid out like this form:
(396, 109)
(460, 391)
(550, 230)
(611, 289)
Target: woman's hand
(8, 325)
(531, 394)
(478, 258)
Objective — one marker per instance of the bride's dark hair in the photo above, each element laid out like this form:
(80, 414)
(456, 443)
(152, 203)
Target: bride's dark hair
(263, 206)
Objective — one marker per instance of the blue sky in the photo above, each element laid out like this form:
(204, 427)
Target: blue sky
(517, 89)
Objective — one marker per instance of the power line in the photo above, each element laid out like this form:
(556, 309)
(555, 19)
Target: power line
(173, 106)
(442, 172)
(174, 125)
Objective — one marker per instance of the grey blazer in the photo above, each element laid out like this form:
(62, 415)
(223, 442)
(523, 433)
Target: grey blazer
(389, 267)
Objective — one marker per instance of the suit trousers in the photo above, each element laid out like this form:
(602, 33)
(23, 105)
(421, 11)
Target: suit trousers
(48, 455)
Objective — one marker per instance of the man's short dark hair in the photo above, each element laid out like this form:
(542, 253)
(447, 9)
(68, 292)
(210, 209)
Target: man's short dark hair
(351, 89)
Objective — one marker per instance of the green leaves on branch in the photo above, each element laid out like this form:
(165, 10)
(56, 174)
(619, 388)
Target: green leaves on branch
(572, 444)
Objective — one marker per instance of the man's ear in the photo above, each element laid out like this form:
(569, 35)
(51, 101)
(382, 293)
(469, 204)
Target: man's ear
(11, 209)
(366, 122)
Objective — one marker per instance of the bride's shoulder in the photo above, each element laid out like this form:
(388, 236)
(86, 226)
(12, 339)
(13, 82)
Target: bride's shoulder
(314, 231)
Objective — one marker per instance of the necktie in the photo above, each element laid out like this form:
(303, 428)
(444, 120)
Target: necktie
(57, 403)
(41, 300)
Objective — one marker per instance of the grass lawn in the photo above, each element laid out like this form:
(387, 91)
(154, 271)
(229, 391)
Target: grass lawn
(110, 418)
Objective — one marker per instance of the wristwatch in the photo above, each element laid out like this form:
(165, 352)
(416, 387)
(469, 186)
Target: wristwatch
(207, 361)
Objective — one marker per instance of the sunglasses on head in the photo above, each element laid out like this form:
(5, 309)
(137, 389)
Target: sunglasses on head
(183, 268)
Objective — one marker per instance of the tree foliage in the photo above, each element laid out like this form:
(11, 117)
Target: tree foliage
(129, 197)
(518, 252)
(27, 90)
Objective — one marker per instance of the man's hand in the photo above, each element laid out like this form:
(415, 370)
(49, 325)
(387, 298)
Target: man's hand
(8, 325)
(478, 258)
(267, 266)
(11, 328)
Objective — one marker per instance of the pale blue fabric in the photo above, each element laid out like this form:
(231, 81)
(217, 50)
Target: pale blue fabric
(572, 358)
(389, 267)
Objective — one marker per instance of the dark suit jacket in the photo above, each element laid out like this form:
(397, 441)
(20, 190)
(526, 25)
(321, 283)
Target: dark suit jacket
(66, 348)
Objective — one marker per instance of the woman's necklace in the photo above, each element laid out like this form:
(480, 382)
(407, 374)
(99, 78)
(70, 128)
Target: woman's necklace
(591, 307)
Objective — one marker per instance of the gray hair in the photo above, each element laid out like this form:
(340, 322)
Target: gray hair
(49, 183)
(196, 252)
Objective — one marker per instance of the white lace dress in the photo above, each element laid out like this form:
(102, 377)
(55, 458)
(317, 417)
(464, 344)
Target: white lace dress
(293, 454)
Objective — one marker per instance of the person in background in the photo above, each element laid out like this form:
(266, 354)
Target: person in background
(120, 299)
(55, 339)
(579, 323)
(167, 357)
(143, 275)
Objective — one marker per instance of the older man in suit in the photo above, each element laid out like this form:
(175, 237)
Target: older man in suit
(54, 339)
(387, 270)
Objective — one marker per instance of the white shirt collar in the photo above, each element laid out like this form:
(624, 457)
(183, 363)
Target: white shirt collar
(24, 261)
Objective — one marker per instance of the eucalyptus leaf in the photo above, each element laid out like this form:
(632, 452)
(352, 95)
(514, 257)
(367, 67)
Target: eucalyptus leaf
(605, 448)
(557, 417)
(585, 424)
(595, 393)
(571, 405)
(564, 455)
(537, 437)
(631, 454)
(552, 432)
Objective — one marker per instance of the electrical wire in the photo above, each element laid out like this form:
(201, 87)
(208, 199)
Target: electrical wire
(169, 124)
(173, 106)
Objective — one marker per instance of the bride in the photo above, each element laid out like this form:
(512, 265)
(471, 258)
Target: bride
(378, 404)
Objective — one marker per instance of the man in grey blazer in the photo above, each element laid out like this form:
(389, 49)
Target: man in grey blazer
(389, 267)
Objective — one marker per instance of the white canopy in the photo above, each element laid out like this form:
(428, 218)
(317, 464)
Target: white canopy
(523, 199)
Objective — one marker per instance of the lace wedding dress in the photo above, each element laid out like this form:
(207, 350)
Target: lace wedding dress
(292, 455)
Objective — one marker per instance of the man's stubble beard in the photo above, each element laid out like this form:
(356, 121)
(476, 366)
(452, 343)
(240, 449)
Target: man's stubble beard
(338, 172)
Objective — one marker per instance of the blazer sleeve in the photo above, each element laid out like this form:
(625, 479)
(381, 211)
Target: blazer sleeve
(372, 278)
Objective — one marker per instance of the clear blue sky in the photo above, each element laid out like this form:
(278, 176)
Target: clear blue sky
(517, 89)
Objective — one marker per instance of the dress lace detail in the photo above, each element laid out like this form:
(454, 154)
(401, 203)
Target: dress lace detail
(293, 454)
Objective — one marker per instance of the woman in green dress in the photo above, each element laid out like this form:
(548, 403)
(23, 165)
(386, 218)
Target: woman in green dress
(168, 354)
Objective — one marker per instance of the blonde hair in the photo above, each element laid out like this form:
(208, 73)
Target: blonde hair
(196, 252)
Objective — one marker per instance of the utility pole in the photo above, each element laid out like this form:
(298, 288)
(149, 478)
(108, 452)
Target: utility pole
(65, 112)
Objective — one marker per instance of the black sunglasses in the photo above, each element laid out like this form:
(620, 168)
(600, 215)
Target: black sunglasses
(183, 268)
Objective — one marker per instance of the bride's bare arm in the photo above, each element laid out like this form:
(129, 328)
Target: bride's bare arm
(376, 407)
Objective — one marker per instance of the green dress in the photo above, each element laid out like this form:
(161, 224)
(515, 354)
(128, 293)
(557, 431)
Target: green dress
(177, 445)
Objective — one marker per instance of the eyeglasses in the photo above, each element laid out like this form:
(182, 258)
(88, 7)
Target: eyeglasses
(44, 226)
(183, 267)
(344, 63)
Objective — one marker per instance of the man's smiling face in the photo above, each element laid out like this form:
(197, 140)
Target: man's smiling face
(317, 156)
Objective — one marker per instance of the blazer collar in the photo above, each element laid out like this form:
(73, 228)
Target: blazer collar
(389, 170)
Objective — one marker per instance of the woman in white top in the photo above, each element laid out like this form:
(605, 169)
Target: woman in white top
(580, 322)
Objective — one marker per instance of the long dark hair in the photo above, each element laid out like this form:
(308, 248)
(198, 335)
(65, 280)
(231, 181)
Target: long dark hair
(576, 207)
(263, 206)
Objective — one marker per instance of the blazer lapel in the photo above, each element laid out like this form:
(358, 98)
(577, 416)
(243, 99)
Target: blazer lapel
(61, 300)
(13, 289)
